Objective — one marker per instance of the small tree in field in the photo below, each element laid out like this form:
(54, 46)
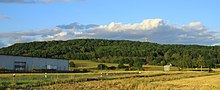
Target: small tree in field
(210, 64)
(121, 64)
(200, 61)
(138, 64)
(71, 64)
(102, 67)
(131, 63)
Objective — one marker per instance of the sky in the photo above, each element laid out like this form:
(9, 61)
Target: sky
(158, 21)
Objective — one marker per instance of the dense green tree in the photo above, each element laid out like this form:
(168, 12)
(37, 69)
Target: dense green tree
(121, 64)
(138, 64)
(210, 64)
(187, 60)
(200, 61)
(131, 63)
(177, 61)
(114, 51)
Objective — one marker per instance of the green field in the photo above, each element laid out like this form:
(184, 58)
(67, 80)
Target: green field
(89, 63)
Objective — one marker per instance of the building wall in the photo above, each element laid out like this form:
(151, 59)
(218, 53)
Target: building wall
(8, 62)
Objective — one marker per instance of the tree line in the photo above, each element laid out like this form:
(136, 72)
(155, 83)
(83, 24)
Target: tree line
(120, 51)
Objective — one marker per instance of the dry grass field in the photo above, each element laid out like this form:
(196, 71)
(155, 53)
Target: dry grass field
(166, 81)
(198, 83)
(151, 79)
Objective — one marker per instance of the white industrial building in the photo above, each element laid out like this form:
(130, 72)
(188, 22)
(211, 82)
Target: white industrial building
(30, 63)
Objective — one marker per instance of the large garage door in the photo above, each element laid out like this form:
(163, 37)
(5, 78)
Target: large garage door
(19, 65)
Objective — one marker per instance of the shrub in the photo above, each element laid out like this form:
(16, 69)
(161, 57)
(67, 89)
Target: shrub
(85, 70)
(72, 64)
(121, 65)
(2, 69)
(112, 68)
(138, 64)
(76, 70)
(102, 67)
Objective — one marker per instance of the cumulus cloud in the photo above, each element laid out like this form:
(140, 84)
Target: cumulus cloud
(36, 1)
(158, 31)
(148, 24)
(195, 26)
(151, 30)
(58, 36)
(4, 17)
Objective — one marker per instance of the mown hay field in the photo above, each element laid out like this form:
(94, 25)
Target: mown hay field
(198, 83)
(148, 81)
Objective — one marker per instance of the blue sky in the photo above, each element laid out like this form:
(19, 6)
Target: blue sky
(20, 16)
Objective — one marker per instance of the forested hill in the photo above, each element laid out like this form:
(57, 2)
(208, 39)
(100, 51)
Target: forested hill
(118, 50)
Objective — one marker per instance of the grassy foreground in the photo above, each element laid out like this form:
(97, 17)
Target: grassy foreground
(146, 81)
(152, 78)
(198, 83)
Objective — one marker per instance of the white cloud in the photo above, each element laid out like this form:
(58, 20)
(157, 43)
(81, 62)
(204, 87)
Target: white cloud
(147, 24)
(153, 30)
(195, 26)
(156, 30)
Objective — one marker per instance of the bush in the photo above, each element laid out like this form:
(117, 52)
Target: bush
(138, 65)
(76, 70)
(102, 67)
(3, 69)
(71, 64)
(112, 68)
(121, 65)
(85, 70)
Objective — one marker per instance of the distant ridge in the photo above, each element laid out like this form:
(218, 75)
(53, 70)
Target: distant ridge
(114, 51)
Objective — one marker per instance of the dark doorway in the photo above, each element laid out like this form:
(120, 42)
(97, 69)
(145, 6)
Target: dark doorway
(19, 65)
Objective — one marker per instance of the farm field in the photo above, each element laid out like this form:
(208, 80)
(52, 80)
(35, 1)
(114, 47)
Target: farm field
(89, 63)
(198, 83)
(152, 78)
(28, 80)
(147, 81)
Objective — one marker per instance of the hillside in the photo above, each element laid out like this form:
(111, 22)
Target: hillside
(114, 51)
